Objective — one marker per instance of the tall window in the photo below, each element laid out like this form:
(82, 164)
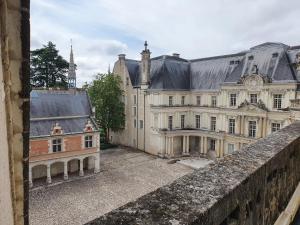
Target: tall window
(134, 99)
(275, 127)
(213, 101)
(155, 121)
(134, 111)
(141, 124)
(88, 141)
(170, 100)
(182, 121)
(252, 128)
(134, 123)
(56, 145)
(212, 144)
(170, 123)
(197, 121)
(213, 121)
(198, 100)
(277, 101)
(253, 98)
(231, 126)
(230, 148)
(182, 100)
(232, 99)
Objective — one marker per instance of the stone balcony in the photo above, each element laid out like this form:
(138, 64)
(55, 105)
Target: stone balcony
(251, 187)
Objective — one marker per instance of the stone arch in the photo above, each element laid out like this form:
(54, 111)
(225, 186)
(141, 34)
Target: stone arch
(39, 173)
(57, 169)
(73, 165)
(89, 162)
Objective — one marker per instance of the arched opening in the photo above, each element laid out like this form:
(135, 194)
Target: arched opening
(57, 171)
(39, 175)
(89, 164)
(73, 167)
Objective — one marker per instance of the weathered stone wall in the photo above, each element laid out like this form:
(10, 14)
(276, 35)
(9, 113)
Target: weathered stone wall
(14, 110)
(249, 187)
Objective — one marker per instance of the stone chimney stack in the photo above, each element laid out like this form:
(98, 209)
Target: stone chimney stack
(176, 55)
(145, 79)
(122, 57)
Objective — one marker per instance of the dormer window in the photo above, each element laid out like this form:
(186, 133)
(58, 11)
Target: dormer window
(237, 62)
(251, 57)
(231, 62)
(56, 145)
(275, 55)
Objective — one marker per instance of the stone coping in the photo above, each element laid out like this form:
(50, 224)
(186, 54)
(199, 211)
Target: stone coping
(211, 194)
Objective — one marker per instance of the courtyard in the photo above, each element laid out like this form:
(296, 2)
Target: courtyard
(125, 175)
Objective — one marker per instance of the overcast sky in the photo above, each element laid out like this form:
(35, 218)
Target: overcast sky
(102, 29)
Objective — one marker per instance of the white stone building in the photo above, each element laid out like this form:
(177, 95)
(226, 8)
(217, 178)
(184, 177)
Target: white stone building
(214, 106)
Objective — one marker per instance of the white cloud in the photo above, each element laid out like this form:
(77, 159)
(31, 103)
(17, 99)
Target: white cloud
(101, 29)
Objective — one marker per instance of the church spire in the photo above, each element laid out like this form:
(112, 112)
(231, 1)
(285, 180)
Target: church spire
(72, 72)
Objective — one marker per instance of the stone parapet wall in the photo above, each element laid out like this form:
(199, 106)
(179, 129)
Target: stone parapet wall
(250, 187)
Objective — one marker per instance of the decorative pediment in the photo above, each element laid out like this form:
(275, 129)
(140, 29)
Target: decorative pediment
(252, 107)
(88, 127)
(57, 130)
(255, 81)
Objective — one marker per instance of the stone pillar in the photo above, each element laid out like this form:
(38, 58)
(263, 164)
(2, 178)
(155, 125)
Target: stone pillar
(97, 164)
(166, 151)
(81, 173)
(261, 126)
(49, 174)
(205, 145)
(188, 145)
(183, 145)
(221, 147)
(66, 177)
(172, 146)
(238, 128)
(242, 125)
(217, 147)
(265, 127)
(30, 178)
(201, 145)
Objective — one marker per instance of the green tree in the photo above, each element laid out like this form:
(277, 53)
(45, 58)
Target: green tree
(48, 68)
(106, 96)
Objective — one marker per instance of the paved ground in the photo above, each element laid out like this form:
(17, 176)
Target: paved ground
(126, 175)
(195, 163)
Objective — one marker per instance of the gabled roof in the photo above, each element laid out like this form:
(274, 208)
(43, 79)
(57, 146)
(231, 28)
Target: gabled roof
(273, 60)
(71, 109)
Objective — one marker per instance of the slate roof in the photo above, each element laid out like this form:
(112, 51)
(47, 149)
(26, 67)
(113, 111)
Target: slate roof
(273, 60)
(71, 109)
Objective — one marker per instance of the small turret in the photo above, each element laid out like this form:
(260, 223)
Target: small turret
(146, 63)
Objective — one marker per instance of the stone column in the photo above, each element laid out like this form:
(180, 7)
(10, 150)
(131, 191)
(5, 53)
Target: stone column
(183, 145)
(188, 145)
(66, 177)
(49, 174)
(30, 178)
(238, 130)
(172, 146)
(97, 164)
(242, 125)
(81, 173)
(217, 147)
(221, 147)
(261, 126)
(265, 127)
(205, 145)
(201, 145)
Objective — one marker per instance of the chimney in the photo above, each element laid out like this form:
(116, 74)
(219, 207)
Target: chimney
(176, 55)
(145, 79)
(122, 56)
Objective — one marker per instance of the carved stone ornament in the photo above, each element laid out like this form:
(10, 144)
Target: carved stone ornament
(253, 82)
(88, 127)
(57, 130)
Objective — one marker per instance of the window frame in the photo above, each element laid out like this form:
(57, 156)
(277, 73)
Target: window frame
(170, 122)
(229, 150)
(183, 100)
(213, 123)
(182, 121)
(256, 99)
(212, 144)
(171, 100)
(197, 121)
(276, 128)
(252, 128)
(88, 143)
(198, 100)
(214, 101)
(277, 101)
(233, 100)
(57, 145)
(231, 126)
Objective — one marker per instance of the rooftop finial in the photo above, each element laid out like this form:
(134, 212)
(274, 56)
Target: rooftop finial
(146, 44)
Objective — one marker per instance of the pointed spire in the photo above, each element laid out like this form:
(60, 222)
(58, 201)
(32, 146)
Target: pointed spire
(72, 72)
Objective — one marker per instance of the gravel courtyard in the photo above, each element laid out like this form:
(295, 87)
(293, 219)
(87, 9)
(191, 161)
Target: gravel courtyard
(125, 175)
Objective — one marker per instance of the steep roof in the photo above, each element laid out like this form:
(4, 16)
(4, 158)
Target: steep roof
(71, 109)
(272, 60)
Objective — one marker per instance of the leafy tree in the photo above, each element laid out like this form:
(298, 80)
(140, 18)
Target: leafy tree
(48, 68)
(106, 95)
